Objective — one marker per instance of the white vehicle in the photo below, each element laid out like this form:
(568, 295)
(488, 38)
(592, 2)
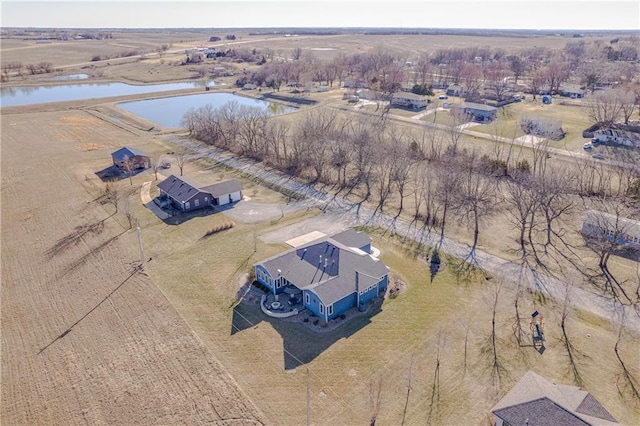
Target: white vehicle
(587, 145)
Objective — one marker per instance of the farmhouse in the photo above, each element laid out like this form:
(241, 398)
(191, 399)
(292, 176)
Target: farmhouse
(536, 401)
(334, 273)
(130, 157)
(410, 100)
(186, 194)
(479, 112)
(604, 226)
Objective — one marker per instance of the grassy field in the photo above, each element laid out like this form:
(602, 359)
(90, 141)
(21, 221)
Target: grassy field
(86, 339)
(574, 121)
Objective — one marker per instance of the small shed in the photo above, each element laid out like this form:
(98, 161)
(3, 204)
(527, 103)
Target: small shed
(546, 99)
(128, 159)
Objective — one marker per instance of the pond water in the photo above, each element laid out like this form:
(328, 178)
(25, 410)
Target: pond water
(29, 95)
(168, 112)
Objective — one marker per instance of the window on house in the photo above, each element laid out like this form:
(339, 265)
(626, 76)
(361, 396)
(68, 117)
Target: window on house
(307, 299)
(187, 205)
(196, 202)
(330, 310)
(321, 308)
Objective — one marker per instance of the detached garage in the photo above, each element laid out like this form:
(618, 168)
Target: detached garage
(224, 193)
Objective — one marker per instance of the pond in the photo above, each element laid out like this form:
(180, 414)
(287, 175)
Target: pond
(168, 112)
(29, 95)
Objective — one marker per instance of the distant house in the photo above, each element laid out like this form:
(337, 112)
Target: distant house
(335, 273)
(455, 89)
(409, 100)
(186, 194)
(323, 88)
(535, 401)
(478, 112)
(618, 134)
(572, 91)
(605, 226)
(249, 86)
(125, 157)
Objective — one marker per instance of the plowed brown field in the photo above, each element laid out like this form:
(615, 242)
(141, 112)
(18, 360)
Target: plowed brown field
(87, 338)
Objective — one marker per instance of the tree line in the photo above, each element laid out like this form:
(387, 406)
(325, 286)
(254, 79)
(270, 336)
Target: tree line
(426, 174)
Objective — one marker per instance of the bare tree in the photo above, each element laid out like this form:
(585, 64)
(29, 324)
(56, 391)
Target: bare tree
(128, 166)
(125, 208)
(631, 381)
(180, 157)
(111, 194)
(447, 188)
(520, 204)
(496, 78)
(571, 350)
(455, 129)
(605, 228)
(605, 108)
(475, 198)
(491, 345)
(434, 407)
(155, 163)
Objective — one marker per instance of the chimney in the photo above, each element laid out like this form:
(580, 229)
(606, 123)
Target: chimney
(320, 262)
(325, 262)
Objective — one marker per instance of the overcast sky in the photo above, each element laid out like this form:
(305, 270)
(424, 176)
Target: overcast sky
(512, 14)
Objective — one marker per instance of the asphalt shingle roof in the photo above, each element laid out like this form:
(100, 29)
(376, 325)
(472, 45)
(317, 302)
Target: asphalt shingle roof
(123, 152)
(535, 397)
(222, 188)
(181, 189)
(328, 267)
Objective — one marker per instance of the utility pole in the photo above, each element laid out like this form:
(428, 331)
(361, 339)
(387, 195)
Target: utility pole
(308, 398)
(140, 243)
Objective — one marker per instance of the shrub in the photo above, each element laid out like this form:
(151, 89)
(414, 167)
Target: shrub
(219, 228)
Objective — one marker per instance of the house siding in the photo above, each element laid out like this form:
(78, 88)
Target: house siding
(343, 305)
(370, 293)
(314, 303)
(202, 203)
(264, 278)
(228, 198)
(138, 162)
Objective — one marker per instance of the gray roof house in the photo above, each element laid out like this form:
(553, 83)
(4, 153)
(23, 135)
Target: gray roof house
(186, 194)
(408, 99)
(619, 134)
(334, 273)
(535, 401)
(137, 158)
(572, 91)
(478, 112)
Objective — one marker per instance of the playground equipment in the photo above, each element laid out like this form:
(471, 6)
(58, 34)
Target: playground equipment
(537, 328)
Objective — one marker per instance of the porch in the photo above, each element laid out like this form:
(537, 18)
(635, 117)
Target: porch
(283, 305)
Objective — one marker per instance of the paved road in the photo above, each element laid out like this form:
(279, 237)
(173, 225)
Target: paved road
(355, 214)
